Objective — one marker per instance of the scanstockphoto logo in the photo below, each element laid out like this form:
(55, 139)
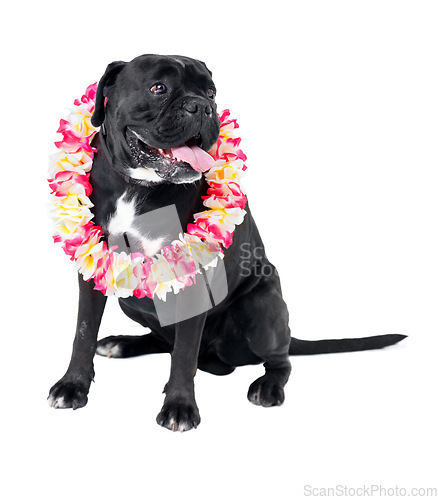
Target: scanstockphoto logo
(253, 262)
(147, 234)
(371, 490)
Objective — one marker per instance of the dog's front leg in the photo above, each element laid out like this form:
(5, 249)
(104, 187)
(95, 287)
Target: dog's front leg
(72, 390)
(180, 412)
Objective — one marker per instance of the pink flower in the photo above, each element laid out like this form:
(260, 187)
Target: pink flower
(89, 97)
(72, 244)
(227, 195)
(102, 266)
(213, 230)
(146, 284)
(234, 154)
(89, 233)
(116, 275)
(226, 148)
(181, 262)
(72, 140)
(220, 189)
(197, 230)
(224, 236)
(77, 130)
(208, 238)
(220, 223)
(66, 182)
(225, 121)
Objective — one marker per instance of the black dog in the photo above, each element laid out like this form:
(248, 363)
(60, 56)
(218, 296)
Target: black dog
(148, 105)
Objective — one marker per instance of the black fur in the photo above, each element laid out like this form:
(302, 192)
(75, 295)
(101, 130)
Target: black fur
(251, 325)
(105, 82)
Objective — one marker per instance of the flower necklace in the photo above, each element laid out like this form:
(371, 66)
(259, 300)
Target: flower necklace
(176, 265)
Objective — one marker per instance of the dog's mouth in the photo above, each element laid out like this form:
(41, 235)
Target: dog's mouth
(167, 162)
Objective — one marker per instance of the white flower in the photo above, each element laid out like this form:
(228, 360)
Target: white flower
(79, 162)
(71, 212)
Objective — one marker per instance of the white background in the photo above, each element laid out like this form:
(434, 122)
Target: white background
(338, 108)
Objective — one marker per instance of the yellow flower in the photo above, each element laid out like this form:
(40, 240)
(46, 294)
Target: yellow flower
(164, 276)
(120, 275)
(79, 162)
(224, 171)
(71, 212)
(225, 218)
(200, 253)
(80, 120)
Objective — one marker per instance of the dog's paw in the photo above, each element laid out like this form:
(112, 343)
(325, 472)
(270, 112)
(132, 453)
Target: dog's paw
(111, 347)
(68, 394)
(179, 416)
(266, 392)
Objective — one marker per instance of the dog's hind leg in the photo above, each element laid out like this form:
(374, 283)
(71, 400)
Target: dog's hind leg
(263, 318)
(272, 346)
(268, 390)
(72, 390)
(126, 346)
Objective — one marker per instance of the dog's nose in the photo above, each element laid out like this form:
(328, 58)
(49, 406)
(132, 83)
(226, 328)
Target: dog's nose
(195, 106)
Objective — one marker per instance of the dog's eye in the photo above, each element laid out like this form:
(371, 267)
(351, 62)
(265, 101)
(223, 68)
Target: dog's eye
(211, 93)
(158, 88)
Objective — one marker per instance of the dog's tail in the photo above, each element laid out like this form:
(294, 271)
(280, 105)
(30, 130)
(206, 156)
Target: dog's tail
(300, 347)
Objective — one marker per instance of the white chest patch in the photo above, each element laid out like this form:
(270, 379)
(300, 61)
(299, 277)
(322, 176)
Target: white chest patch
(123, 218)
(126, 231)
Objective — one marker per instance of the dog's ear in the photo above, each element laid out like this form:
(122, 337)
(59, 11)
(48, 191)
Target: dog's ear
(107, 80)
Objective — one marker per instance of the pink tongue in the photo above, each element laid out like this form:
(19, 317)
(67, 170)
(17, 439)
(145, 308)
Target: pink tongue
(198, 159)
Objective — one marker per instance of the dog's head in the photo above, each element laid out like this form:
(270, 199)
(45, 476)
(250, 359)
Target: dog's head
(158, 117)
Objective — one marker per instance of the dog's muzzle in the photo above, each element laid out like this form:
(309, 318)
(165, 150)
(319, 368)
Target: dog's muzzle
(180, 138)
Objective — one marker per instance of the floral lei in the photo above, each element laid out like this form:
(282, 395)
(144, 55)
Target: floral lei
(176, 265)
